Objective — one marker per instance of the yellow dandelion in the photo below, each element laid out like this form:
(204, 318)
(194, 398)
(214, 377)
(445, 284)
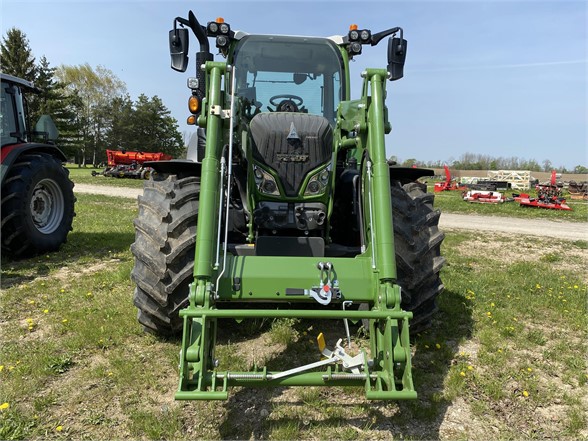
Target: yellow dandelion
(515, 319)
(4, 406)
(110, 374)
(61, 291)
(462, 373)
(437, 345)
(525, 393)
(470, 368)
(64, 321)
(89, 294)
(489, 314)
(529, 369)
(31, 302)
(538, 286)
(1, 367)
(500, 351)
(492, 305)
(45, 311)
(59, 428)
(575, 286)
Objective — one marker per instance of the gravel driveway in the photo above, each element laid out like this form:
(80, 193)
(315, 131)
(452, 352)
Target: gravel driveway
(448, 222)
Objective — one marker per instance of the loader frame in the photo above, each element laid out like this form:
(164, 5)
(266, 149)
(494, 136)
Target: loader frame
(370, 277)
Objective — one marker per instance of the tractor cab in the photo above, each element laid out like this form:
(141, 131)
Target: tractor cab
(289, 74)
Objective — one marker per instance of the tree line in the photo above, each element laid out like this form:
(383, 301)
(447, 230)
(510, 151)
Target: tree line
(90, 106)
(474, 161)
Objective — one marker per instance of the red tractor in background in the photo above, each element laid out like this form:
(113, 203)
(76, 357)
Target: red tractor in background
(123, 164)
(37, 194)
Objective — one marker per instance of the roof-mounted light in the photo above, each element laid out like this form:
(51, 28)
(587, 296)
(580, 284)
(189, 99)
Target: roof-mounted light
(356, 37)
(218, 27)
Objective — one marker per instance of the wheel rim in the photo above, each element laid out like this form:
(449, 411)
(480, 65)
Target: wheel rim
(47, 205)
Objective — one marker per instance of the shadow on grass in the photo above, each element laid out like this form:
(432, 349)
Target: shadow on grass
(80, 247)
(336, 414)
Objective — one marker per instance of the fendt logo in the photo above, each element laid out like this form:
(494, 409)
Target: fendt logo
(296, 153)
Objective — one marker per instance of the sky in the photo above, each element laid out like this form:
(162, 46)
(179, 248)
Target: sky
(498, 78)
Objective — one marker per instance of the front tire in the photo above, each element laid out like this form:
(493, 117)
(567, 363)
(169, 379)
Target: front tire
(37, 205)
(417, 242)
(165, 239)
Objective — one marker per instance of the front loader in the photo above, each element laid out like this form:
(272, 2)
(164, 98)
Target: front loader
(287, 208)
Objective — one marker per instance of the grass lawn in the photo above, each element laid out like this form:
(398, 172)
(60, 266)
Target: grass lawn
(505, 359)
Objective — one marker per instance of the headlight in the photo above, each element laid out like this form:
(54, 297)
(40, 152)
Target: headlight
(317, 183)
(265, 182)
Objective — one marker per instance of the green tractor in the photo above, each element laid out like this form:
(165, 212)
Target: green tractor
(287, 208)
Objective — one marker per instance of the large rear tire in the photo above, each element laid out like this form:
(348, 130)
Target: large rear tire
(417, 241)
(37, 205)
(165, 237)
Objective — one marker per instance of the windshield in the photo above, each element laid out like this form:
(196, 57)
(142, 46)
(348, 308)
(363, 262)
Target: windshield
(7, 121)
(274, 72)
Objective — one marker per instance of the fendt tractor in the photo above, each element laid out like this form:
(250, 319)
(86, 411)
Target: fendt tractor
(287, 208)
(37, 194)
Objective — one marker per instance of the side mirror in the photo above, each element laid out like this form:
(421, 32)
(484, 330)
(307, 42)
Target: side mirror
(396, 57)
(178, 49)
(46, 127)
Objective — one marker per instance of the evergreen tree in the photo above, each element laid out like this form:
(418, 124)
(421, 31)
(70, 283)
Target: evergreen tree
(154, 127)
(16, 57)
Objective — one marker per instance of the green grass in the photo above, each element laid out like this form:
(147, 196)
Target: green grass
(507, 350)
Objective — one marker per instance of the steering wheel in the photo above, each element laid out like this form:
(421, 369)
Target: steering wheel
(289, 103)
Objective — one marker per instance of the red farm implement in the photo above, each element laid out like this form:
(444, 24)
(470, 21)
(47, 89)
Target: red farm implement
(484, 197)
(449, 184)
(542, 201)
(549, 195)
(123, 164)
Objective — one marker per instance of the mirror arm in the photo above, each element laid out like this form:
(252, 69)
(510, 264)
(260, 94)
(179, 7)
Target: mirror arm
(199, 31)
(376, 38)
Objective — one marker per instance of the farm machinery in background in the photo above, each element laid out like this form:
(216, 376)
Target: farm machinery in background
(578, 190)
(549, 196)
(450, 184)
(37, 194)
(484, 197)
(123, 164)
